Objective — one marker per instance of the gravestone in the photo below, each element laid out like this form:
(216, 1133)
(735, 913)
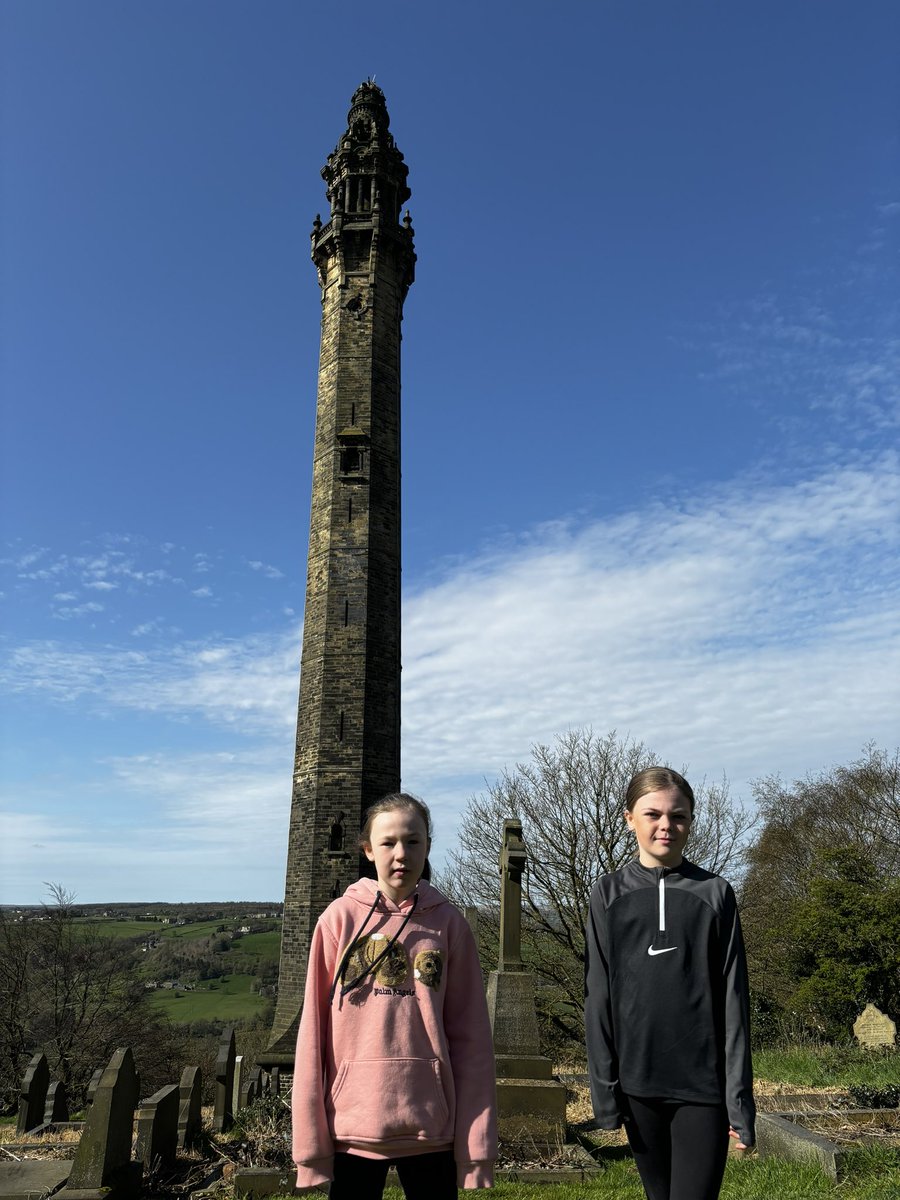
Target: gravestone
(33, 1095)
(251, 1087)
(223, 1114)
(529, 1101)
(102, 1169)
(275, 1081)
(92, 1085)
(873, 1028)
(57, 1107)
(237, 1083)
(190, 1114)
(157, 1128)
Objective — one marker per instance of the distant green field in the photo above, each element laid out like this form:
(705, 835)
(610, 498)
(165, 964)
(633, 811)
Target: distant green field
(201, 929)
(225, 999)
(122, 929)
(260, 945)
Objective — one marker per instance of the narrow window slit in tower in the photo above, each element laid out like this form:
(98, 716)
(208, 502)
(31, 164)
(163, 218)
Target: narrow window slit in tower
(352, 414)
(341, 727)
(346, 612)
(349, 510)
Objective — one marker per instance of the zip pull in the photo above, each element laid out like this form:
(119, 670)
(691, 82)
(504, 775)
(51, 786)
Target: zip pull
(662, 904)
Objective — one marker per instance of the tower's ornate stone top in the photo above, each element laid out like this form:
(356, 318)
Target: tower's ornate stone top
(369, 99)
(366, 170)
(365, 180)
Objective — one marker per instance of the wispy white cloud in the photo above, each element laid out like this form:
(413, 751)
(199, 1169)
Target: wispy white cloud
(247, 685)
(67, 612)
(270, 572)
(202, 592)
(751, 629)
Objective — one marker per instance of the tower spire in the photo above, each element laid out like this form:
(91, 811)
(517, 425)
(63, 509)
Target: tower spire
(348, 725)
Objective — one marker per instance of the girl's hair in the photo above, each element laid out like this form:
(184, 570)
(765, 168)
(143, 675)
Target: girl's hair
(391, 803)
(657, 779)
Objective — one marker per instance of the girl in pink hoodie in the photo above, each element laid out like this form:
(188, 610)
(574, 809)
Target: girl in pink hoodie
(395, 1062)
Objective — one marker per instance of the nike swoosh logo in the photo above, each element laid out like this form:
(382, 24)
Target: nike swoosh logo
(652, 952)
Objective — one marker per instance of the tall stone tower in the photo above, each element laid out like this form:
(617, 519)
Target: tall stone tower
(348, 726)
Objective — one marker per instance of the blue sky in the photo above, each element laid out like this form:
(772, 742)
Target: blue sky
(650, 385)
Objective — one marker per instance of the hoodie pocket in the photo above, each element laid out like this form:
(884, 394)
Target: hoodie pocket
(390, 1099)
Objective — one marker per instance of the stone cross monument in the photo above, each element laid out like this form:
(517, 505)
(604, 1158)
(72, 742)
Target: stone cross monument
(529, 1100)
(512, 864)
(348, 724)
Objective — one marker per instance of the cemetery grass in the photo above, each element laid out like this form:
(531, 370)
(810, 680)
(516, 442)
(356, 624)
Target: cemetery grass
(748, 1179)
(823, 1066)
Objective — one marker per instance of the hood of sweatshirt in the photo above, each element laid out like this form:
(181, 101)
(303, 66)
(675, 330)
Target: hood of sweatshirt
(364, 891)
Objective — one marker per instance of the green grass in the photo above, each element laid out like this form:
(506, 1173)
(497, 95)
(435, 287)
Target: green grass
(827, 1066)
(225, 999)
(750, 1179)
(190, 932)
(122, 929)
(259, 945)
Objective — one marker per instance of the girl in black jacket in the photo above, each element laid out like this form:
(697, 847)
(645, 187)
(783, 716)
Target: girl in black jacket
(666, 1006)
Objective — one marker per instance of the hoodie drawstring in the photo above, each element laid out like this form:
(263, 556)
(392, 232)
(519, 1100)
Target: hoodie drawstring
(355, 983)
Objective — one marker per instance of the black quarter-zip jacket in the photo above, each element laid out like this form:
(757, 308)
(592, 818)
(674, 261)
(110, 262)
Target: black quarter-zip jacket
(666, 1007)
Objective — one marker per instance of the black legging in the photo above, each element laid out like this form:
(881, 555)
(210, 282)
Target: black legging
(680, 1149)
(423, 1176)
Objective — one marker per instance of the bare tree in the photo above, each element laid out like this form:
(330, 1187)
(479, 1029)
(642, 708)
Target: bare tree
(570, 800)
(72, 991)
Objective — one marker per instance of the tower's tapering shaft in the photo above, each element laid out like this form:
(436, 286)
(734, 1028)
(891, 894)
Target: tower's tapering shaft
(348, 725)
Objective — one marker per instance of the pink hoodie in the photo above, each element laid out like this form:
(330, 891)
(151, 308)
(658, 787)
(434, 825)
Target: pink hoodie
(404, 1063)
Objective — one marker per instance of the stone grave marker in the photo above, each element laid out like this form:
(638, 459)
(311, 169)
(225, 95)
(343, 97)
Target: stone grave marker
(251, 1087)
(102, 1169)
(223, 1117)
(873, 1028)
(529, 1101)
(33, 1095)
(237, 1083)
(92, 1085)
(190, 1116)
(157, 1128)
(57, 1107)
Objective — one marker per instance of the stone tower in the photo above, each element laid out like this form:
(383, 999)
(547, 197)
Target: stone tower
(348, 725)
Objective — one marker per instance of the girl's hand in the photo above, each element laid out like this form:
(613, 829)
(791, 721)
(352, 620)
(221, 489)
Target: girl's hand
(733, 1133)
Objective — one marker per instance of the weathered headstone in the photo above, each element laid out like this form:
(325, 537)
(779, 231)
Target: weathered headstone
(237, 1083)
(275, 1078)
(33, 1095)
(223, 1115)
(873, 1028)
(529, 1101)
(103, 1169)
(92, 1085)
(57, 1107)
(190, 1115)
(251, 1087)
(157, 1128)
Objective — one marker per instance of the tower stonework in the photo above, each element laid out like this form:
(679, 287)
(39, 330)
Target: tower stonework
(348, 724)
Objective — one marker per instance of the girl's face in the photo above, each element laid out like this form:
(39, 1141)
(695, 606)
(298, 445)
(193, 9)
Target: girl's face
(661, 821)
(398, 848)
